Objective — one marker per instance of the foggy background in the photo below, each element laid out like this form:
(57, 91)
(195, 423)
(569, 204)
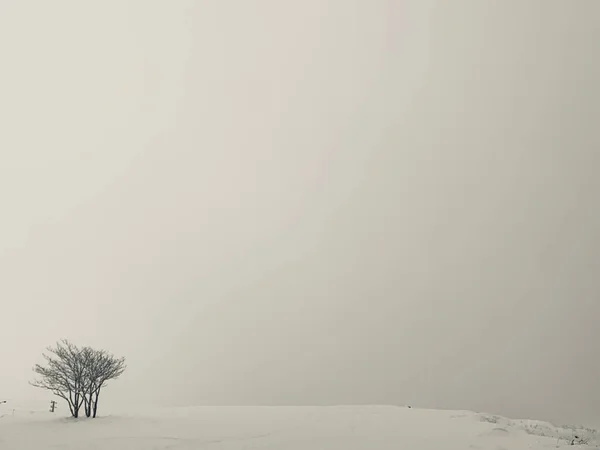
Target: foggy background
(308, 202)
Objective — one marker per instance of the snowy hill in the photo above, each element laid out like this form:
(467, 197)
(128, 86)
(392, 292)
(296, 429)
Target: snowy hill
(293, 428)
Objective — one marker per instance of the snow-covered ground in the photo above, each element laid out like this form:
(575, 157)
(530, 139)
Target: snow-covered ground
(291, 428)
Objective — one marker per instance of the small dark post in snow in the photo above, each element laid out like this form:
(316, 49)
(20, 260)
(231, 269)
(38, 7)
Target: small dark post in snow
(52, 406)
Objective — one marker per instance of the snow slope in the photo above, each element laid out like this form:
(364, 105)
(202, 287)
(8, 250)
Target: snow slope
(291, 428)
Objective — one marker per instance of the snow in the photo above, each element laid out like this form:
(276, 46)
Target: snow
(291, 428)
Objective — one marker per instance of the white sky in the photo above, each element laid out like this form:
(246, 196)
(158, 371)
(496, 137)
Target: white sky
(309, 202)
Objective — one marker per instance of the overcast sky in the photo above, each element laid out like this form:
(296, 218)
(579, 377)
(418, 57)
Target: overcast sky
(308, 202)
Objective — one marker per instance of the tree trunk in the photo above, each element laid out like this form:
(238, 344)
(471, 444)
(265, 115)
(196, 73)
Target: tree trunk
(73, 405)
(87, 404)
(79, 401)
(76, 405)
(96, 403)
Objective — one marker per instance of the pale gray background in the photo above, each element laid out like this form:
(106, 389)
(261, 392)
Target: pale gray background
(306, 202)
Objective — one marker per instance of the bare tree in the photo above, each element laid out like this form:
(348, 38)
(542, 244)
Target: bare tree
(89, 361)
(103, 368)
(63, 374)
(78, 375)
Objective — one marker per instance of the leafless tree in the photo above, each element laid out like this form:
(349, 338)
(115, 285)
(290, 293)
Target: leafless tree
(63, 374)
(108, 368)
(88, 357)
(101, 367)
(78, 375)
